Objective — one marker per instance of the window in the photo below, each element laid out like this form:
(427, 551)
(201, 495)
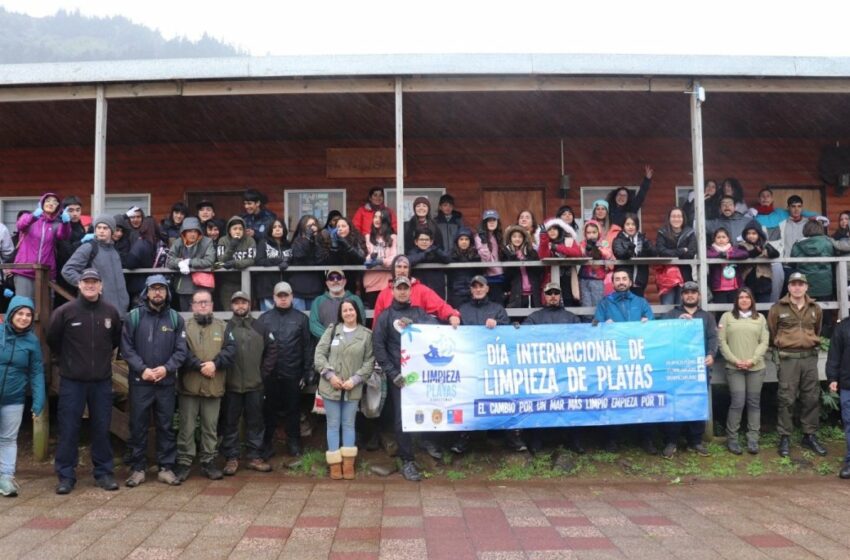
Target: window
(682, 194)
(120, 203)
(432, 194)
(589, 195)
(9, 208)
(319, 203)
(115, 204)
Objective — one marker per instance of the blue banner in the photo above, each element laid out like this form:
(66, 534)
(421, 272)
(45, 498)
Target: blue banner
(542, 376)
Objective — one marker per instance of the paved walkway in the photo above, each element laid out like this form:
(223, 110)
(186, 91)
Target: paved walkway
(257, 516)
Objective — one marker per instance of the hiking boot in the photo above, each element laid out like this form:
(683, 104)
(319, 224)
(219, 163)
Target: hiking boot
(700, 449)
(230, 467)
(845, 471)
(461, 444)
(733, 446)
(182, 472)
(258, 465)
(431, 449)
(8, 486)
(293, 447)
(65, 486)
(752, 447)
(784, 448)
(135, 478)
(648, 447)
(167, 476)
(513, 441)
(107, 482)
(668, 451)
(410, 472)
(811, 441)
(211, 471)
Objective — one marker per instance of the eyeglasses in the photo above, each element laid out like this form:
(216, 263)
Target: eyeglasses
(204, 302)
(282, 294)
(335, 278)
(552, 293)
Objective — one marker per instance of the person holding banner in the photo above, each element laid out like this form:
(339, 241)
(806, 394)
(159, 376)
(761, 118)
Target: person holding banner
(386, 340)
(622, 306)
(689, 310)
(420, 295)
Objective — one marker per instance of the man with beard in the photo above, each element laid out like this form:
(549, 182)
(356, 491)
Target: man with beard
(325, 308)
(153, 343)
(256, 356)
(201, 385)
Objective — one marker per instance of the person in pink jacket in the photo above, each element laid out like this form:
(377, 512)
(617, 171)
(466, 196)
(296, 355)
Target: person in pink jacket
(381, 249)
(38, 232)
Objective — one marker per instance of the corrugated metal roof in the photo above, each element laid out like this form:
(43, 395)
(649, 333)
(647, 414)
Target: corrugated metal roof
(423, 64)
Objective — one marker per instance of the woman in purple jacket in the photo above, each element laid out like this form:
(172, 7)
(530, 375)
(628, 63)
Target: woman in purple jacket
(37, 233)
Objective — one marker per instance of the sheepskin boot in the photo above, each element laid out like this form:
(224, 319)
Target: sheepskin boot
(349, 455)
(334, 459)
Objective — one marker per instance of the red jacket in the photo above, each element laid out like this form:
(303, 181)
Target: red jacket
(362, 219)
(420, 296)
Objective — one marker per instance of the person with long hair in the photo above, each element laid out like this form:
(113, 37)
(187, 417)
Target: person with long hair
(711, 203)
(272, 251)
(622, 201)
(724, 279)
(37, 234)
(381, 249)
(523, 281)
(561, 240)
(843, 229)
(344, 360)
(526, 220)
(362, 219)
(744, 338)
(307, 250)
(732, 187)
(679, 241)
(488, 242)
(631, 243)
(420, 220)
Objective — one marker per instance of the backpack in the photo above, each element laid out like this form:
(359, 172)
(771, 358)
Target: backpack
(92, 255)
(134, 318)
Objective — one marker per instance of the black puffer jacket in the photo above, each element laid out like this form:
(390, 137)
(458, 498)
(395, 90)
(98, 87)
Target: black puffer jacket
(307, 251)
(271, 252)
(477, 311)
(551, 316)
(386, 340)
(458, 278)
(84, 334)
(682, 246)
(291, 330)
(448, 227)
(627, 247)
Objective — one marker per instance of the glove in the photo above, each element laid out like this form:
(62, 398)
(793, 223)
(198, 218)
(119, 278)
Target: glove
(37, 212)
(132, 211)
(683, 253)
(374, 256)
(824, 221)
(398, 381)
(228, 264)
(754, 253)
(184, 266)
(284, 264)
(87, 237)
(66, 217)
(7, 293)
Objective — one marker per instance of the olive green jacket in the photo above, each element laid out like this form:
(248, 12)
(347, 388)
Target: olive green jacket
(351, 358)
(213, 343)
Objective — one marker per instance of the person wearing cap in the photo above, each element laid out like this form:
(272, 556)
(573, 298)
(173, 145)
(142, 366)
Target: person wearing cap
(622, 201)
(38, 232)
(153, 343)
(688, 310)
(489, 243)
(795, 323)
(64, 247)
(362, 219)
(170, 226)
(744, 338)
(190, 252)
(292, 372)
(553, 313)
(101, 255)
(386, 340)
(255, 360)
(84, 333)
(420, 295)
(325, 309)
(258, 218)
(448, 220)
(479, 310)
(205, 210)
(200, 385)
(420, 220)
(234, 251)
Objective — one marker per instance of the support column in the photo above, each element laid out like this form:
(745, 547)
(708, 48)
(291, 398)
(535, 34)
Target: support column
(699, 190)
(98, 202)
(399, 162)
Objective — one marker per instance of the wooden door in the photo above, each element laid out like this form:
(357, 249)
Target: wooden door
(812, 198)
(227, 204)
(510, 202)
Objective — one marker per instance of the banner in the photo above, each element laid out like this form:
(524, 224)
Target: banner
(541, 376)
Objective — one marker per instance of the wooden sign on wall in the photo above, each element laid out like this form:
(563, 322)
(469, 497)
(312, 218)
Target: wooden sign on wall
(352, 163)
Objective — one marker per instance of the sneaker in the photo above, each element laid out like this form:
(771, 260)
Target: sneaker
(668, 451)
(410, 472)
(259, 465)
(700, 449)
(733, 446)
(8, 486)
(182, 472)
(431, 449)
(513, 441)
(135, 478)
(65, 486)
(230, 467)
(167, 476)
(107, 482)
(211, 471)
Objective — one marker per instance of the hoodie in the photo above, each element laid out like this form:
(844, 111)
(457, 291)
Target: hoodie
(201, 255)
(600, 249)
(458, 278)
(523, 280)
(21, 363)
(757, 277)
(37, 238)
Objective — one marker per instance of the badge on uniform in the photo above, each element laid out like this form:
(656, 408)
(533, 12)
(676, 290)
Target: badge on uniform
(335, 342)
(107, 323)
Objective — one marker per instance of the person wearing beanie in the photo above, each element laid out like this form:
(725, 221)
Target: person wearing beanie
(420, 220)
(100, 254)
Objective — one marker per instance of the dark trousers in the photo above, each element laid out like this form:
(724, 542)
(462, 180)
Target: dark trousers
(73, 398)
(283, 394)
(403, 439)
(693, 431)
(161, 399)
(250, 406)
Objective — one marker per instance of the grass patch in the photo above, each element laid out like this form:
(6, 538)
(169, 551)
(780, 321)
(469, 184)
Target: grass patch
(603, 457)
(312, 463)
(784, 465)
(756, 468)
(454, 476)
(824, 468)
(523, 468)
(831, 433)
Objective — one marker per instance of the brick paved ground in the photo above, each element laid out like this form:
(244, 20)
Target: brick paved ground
(256, 516)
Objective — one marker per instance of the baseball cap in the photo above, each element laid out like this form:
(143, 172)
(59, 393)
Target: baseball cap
(490, 215)
(241, 295)
(478, 279)
(90, 274)
(690, 286)
(551, 286)
(401, 280)
(330, 271)
(797, 277)
(282, 288)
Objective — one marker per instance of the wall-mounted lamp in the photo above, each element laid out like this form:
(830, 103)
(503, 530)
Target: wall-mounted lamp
(564, 185)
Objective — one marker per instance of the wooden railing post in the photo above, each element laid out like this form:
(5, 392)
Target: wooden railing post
(43, 306)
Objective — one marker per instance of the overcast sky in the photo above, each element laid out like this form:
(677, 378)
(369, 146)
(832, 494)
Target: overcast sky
(809, 28)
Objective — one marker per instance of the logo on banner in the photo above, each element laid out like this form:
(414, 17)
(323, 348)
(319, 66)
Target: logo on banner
(455, 416)
(437, 416)
(419, 417)
(441, 353)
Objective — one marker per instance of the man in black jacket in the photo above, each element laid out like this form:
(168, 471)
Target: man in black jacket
(294, 368)
(84, 332)
(689, 310)
(838, 375)
(449, 221)
(153, 343)
(386, 341)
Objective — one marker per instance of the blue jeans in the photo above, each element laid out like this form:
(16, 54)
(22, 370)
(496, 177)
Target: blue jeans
(340, 412)
(10, 422)
(302, 304)
(73, 398)
(845, 419)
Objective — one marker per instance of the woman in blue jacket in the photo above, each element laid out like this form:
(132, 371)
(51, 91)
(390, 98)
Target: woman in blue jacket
(20, 364)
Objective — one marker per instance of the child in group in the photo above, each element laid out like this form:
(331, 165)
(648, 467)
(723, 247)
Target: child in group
(426, 251)
(592, 276)
(757, 277)
(464, 251)
(629, 244)
(523, 282)
(724, 280)
(560, 240)
(234, 251)
(381, 248)
(489, 243)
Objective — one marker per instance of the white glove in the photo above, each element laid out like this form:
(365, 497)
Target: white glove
(752, 212)
(184, 266)
(132, 211)
(824, 221)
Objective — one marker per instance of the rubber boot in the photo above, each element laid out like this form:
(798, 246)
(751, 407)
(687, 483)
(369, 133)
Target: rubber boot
(349, 455)
(334, 459)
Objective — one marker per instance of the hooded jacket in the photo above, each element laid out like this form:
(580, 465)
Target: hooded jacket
(270, 252)
(201, 255)
(107, 262)
(37, 239)
(558, 248)
(819, 275)
(522, 280)
(599, 249)
(458, 278)
(261, 223)
(757, 277)
(256, 354)
(622, 307)
(420, 296)
(21, 362)
(236, 253)
(206, 343)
